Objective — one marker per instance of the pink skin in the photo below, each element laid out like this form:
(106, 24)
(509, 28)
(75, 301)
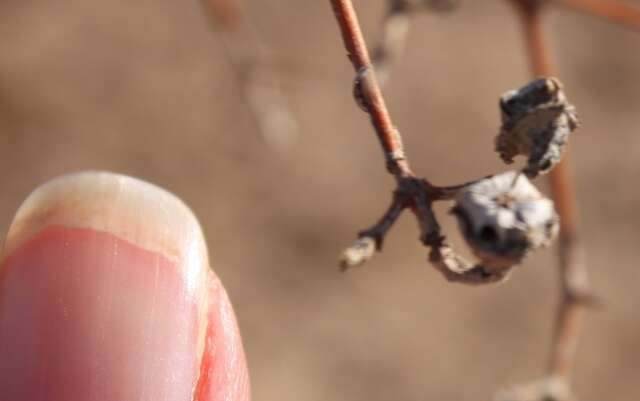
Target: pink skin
(85, 315)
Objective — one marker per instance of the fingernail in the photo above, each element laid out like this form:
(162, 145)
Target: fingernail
(106, 294)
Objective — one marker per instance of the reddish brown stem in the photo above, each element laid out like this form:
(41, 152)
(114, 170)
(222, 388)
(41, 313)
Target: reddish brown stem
(572, 268)
(615, 11)
(370, 89)
(411, 192)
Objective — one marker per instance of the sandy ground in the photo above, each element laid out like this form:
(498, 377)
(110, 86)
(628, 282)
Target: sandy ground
(144, 88)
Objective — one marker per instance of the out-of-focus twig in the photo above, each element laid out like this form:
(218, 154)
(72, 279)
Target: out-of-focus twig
(228, 13)
(573, 275)
(395, 28)
(619, 12)
(256, 72)
(411, 192)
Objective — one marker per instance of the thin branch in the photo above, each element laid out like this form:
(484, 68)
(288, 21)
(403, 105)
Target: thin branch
(573, 275)
(412, 192)
(367, 85)
(618, 12)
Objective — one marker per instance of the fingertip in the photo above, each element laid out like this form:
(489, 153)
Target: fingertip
(106, 294)
(223, 371)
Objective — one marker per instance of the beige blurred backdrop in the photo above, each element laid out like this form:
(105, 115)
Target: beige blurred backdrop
(144, 88)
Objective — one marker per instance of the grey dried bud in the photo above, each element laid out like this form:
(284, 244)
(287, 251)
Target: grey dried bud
(536, 122)
(504, 217)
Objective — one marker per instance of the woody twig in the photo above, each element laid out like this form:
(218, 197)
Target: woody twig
(478, 203)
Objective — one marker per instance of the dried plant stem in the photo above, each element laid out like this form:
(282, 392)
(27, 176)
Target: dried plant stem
(411, 192)
(616, 11)
(371, 94)
(572, 268)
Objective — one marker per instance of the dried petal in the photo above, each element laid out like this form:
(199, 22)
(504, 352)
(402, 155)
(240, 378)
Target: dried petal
(504, 217)
(536, 122)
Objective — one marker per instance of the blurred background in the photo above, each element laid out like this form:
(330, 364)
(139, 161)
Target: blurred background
(147, 88)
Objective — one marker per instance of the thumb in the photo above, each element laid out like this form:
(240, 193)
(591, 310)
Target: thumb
(106, 295)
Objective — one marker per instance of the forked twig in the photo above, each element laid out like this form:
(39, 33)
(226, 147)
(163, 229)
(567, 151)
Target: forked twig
(411, 192)
(498, 248)
(616, 11)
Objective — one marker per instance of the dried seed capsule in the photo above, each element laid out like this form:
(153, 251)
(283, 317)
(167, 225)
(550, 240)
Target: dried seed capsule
(536, 122)
(503, 217)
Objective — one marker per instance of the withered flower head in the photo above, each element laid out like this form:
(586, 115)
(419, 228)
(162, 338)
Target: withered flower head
(536, 122)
